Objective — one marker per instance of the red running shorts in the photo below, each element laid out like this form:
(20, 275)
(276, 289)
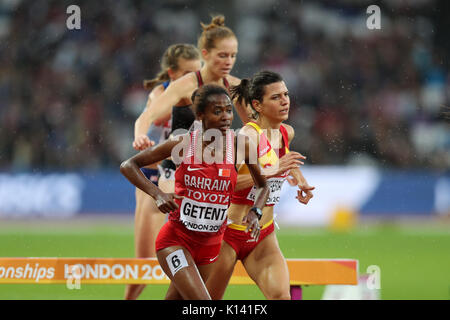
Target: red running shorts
(242, 242)
(203, 249)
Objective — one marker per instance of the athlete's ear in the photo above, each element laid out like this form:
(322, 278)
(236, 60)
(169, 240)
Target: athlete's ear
(256, 105)
(171, 74)
(200, 116)
(205, 54)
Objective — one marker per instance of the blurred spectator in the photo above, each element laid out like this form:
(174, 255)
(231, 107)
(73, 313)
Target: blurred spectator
(68, 99)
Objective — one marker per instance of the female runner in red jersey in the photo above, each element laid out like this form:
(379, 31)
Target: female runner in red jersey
(267, 94)
(190, 241)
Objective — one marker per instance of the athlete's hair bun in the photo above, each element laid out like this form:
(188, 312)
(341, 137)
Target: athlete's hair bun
(216, 21)
(214, 31)
(241, 91)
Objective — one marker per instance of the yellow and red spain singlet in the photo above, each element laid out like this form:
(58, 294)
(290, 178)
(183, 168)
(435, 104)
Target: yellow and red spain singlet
(267, 157)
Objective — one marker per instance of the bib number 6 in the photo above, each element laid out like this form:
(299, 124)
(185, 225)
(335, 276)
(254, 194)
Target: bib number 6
(176, 261)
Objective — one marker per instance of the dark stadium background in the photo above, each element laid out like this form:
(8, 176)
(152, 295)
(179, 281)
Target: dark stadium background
(372, 98)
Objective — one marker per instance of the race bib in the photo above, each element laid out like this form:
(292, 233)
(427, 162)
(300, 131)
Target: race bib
(166, 173)
(275, 185)
(176, 261)
(202, 216)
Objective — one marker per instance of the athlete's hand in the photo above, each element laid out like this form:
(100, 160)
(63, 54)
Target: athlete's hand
(291, 180)
(289, 161)
(253, 224)
(142, 142)
(166, 202)
(304, 194)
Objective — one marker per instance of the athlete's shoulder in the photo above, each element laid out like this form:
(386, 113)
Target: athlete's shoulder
(185, 84)
(249, 130)
(234, 81)
(188, 78)
(290, 131)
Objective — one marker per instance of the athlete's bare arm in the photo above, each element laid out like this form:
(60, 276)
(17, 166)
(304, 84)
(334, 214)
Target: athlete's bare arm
(153, 97)
(262, 192)
(141, 140)
(161, 107)
(131, 170)
(304, 194)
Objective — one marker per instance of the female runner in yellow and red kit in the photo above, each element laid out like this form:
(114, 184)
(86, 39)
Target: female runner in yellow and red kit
(262, 258)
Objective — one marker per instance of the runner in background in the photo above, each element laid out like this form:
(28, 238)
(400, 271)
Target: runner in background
(218, 46)
(178, 60)
(268, 95)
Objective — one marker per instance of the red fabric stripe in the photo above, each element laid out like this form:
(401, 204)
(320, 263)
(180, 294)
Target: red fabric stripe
(199, 78)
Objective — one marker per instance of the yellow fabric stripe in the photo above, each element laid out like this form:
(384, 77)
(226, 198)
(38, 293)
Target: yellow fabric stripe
(254, 125)
(242, 228)
(269, 158)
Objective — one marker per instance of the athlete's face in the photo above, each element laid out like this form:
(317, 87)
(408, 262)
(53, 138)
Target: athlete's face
(185, 66)
(220, 60)
(275, 104)
(218, 113)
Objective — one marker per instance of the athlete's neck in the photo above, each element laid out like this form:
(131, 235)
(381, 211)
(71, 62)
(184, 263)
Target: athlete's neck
(210, 78)
(266, 123)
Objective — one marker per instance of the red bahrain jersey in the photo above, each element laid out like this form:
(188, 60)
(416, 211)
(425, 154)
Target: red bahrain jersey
(206, 189)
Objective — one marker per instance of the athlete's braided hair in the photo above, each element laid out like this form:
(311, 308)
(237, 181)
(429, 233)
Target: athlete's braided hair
(170, 60)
